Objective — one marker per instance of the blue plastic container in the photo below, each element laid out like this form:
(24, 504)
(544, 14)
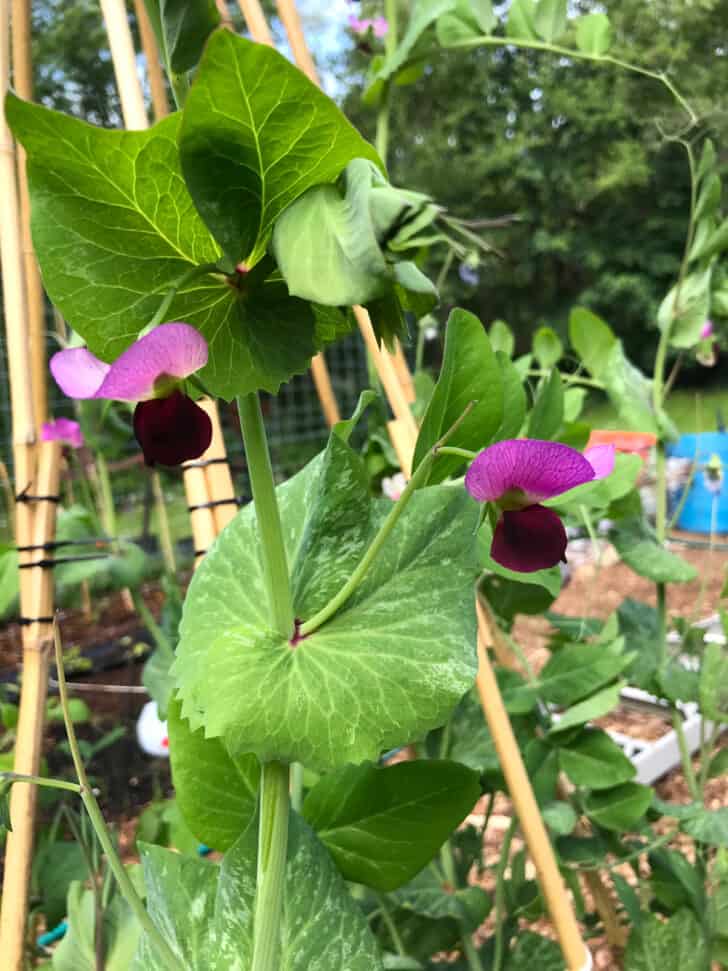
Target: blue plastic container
(698, 509)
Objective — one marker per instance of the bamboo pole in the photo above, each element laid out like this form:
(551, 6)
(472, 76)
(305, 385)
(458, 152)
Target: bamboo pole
(217, 474)
(23, 84)
(18, 853)
(256, 22)
(225, 18)
(157, 87)
(575, 952)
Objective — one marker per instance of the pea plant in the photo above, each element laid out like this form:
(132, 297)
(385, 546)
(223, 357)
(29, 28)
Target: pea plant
(214, 254)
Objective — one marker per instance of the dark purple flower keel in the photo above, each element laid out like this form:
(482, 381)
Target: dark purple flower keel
(171, 430)
(529, 539)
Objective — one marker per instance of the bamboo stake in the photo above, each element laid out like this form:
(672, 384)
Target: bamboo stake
(217, 474)
(256, 22)
(225, 18)
(576, 955)
(157, 87)
(23, 84)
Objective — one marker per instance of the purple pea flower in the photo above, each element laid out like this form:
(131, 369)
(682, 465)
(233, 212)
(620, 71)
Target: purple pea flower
(63, 430)
(168, 425)
(706, 330)
(518, 475)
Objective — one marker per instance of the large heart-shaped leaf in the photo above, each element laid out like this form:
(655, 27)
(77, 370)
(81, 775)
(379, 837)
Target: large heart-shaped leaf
(390, 665)
(181, 28)
(114, 229)
(216, 793)
(256, 134)
(383, 824)
(206, 910)
(470, 372)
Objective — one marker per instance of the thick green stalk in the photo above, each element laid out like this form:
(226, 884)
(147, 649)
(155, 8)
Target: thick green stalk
(272, 848)
(158, 942)
(687, 762)
(385, 105)
(274, 796)
(296, 786)
(39, 780)
(273, 552)
(419, 478)
(391, 926)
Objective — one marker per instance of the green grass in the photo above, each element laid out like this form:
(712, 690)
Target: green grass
(691, 410)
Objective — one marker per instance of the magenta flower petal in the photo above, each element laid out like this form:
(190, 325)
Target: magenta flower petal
(706, 330)
(357, 25)
(171, 430)
(601, 458)
(529, 539)
(380, 26)
(78, 373)
(538, 470)
(176, 350)
(63, 430)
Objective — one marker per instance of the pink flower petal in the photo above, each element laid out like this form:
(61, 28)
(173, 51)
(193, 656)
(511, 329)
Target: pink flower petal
(601, 458)
(175, 349)
(529, 539)
(380, 26)
(63, 430)
(78, 373)
(706, 330)
(540, 470)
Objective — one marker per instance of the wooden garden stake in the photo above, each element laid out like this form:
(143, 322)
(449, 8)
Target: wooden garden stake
(35, 584)
(256, 22)
(157, 87)
(35, 304)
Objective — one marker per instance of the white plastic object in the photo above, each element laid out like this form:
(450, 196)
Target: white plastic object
(151, 731)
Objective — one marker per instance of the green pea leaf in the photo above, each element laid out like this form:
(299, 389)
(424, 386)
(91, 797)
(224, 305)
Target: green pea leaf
(592, 339)
(206, 910)
(535, 951)
(708, 826)
(408, 615)
(424, 14)
(599, 704)
(501, 337)
(547, 347)
(521, 20)
(559, 817)
(577, 670)
(382, 824)
(619, 808)
(181, 28)
(77, 950)
(677, 944)
(684, 310)
(470, 372)
(256, 135)
(549, 19)
(547, 415)
(216, 793)
(639, 548)
(430, 895)
(713, 686)
(595, 761)
(514, 399)
(114, 229)
(594, 34)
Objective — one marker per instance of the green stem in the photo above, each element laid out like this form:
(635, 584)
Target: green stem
(165, 533)
(462, 453)
(419, 478)
(391, 926)
(500, 896)
(160, 638)
(272, 847)
(573, 54)
(687, 763)
(381, 139)
(106, 495)
(275, 565)
(180, 84)
(158, 943)
(296, 786)
(469, 949)
(187, 277)
(38, 780)
(569, 379)
(89, 501)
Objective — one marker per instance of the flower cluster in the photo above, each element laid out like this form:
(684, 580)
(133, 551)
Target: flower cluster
(517, 475)
(168, 425)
